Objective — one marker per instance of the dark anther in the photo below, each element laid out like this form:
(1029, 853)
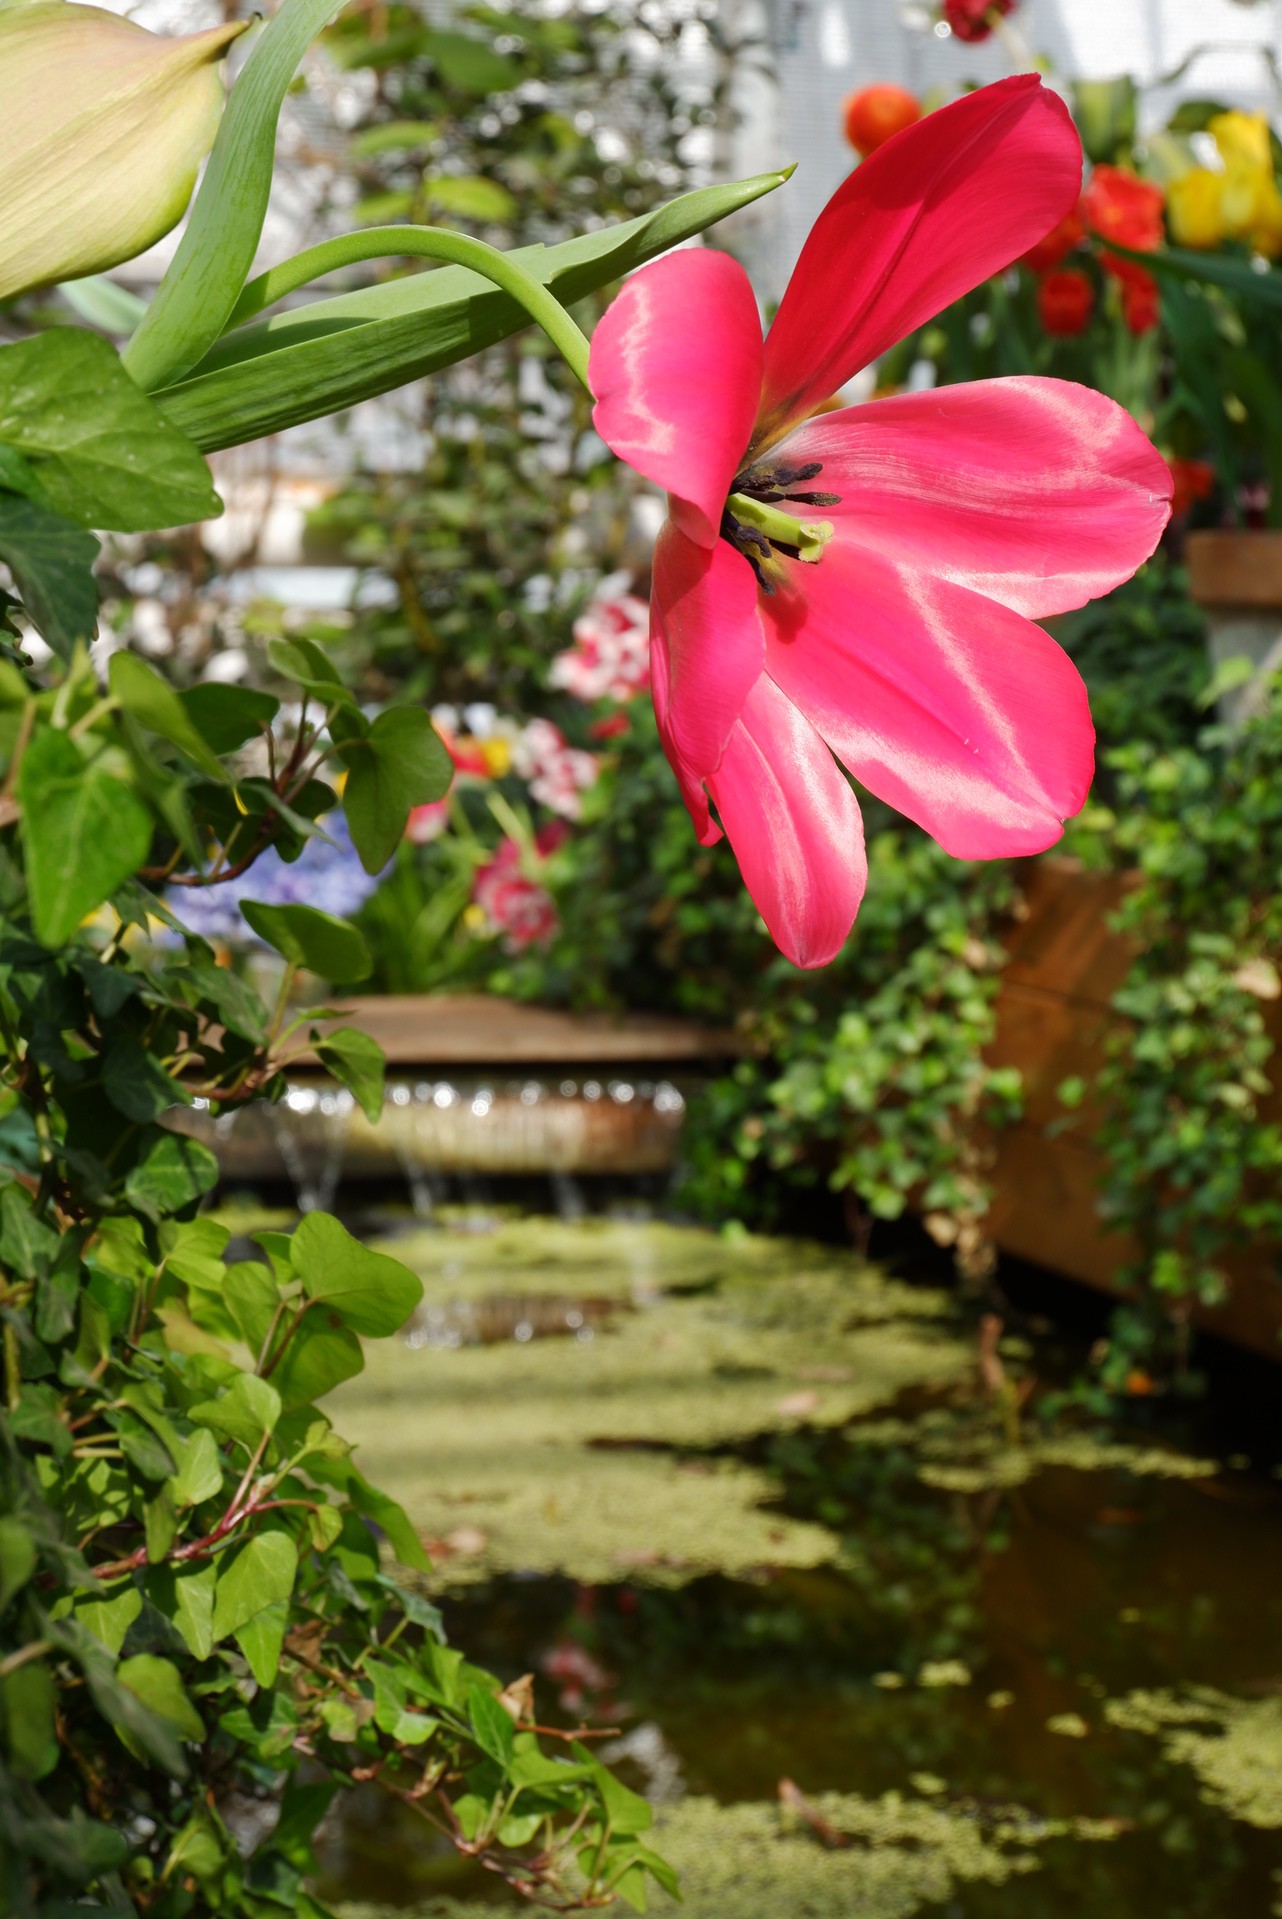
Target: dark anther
(814, 499)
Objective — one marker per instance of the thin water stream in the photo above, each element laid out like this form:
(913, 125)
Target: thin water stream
(876, 1642)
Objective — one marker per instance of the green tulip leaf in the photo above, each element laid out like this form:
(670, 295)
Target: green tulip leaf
(316, 359)
(225, 224)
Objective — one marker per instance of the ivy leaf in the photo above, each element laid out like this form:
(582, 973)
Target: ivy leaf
(27, 1245)
(226, 716)
(374, 1294)
(307, 937)
(357, 1062)
(27, 1699)
(103, 453)
(186, 1597)
(247, 1410)
(52, 564)
(400, 763)
(200, 1473)
(110, 1619)
(193, 1250)
(84, 832)
(17, 1558)
(309, 666)
(627, 1812)
(260, 1573)
(173, 1172)
(261, 1639)
(136, 1083)
(153, 702)
(317, 1358)
(158, 1684)
(494, 1731)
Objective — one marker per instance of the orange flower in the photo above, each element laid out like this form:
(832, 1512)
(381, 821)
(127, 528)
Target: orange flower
(873, 114)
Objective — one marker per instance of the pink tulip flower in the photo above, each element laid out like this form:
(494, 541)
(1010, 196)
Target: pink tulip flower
(866, 581)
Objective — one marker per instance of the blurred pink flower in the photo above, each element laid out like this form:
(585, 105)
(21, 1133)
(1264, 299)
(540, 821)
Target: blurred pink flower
(427, 822)
(512, 903)
(610, 658)
(904, 643)
(558, 774)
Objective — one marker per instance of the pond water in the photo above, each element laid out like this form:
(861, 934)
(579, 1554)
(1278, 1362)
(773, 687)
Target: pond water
(875, 1638)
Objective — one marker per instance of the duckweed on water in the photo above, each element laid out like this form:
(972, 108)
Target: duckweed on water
(560, 1455)
(1233, 1745)
(957, 1453)
(900, 1855)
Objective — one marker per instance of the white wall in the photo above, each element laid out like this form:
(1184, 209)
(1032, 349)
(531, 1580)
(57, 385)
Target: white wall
(825, 49)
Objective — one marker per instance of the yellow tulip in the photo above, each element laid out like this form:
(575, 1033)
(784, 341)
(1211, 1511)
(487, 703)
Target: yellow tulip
(1243, 195)
(1243, 139)
(1266, 234)
(104, 129)
(1195, 208)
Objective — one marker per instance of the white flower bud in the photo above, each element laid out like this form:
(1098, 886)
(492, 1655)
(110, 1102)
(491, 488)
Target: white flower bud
(105, 127)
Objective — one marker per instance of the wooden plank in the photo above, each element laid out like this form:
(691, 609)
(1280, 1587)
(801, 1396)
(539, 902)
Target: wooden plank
(477, 1029)
(1235, 567)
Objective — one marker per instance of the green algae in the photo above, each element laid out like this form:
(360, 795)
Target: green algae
(897, 1856)
(563, 1455)
(960, 1452)
(1234, 1746)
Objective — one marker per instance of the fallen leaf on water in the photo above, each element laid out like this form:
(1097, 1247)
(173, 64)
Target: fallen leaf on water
(517, 1700)
(797, 1405)
(792, 1799)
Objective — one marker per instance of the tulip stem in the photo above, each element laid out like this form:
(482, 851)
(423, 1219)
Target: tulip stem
(426, 243)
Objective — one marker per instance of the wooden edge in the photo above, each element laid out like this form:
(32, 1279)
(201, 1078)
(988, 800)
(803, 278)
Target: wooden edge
(477, 1029)
(1237, 567)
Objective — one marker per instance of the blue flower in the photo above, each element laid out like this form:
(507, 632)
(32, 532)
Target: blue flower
(327, 874)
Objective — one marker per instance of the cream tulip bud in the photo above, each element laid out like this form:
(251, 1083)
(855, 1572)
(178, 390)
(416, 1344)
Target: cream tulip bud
(105, 127)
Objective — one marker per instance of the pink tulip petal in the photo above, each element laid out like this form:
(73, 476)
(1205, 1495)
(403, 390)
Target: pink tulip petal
(960, 713)
(1037, 493)
(676, 370)
(708, 647)
(939, 208)
(794, 825)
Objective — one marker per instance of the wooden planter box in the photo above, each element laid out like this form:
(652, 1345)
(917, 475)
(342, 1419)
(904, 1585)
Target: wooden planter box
(1053, 1014)
(1236, 576)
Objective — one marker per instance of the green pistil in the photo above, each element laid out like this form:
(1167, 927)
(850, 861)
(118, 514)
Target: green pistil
(807, 537)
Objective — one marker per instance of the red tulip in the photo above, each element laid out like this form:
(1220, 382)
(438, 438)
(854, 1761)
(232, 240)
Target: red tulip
(1192, 480)
(1119, 206)
(1057, 244)
(1065, 300)
(897, 631)
(973, 19)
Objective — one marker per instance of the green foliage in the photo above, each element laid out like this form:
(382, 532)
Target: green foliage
(196, 1596)
(1194, 1160)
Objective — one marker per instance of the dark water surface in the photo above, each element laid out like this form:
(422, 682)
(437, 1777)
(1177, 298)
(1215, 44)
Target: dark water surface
(971, 1646)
